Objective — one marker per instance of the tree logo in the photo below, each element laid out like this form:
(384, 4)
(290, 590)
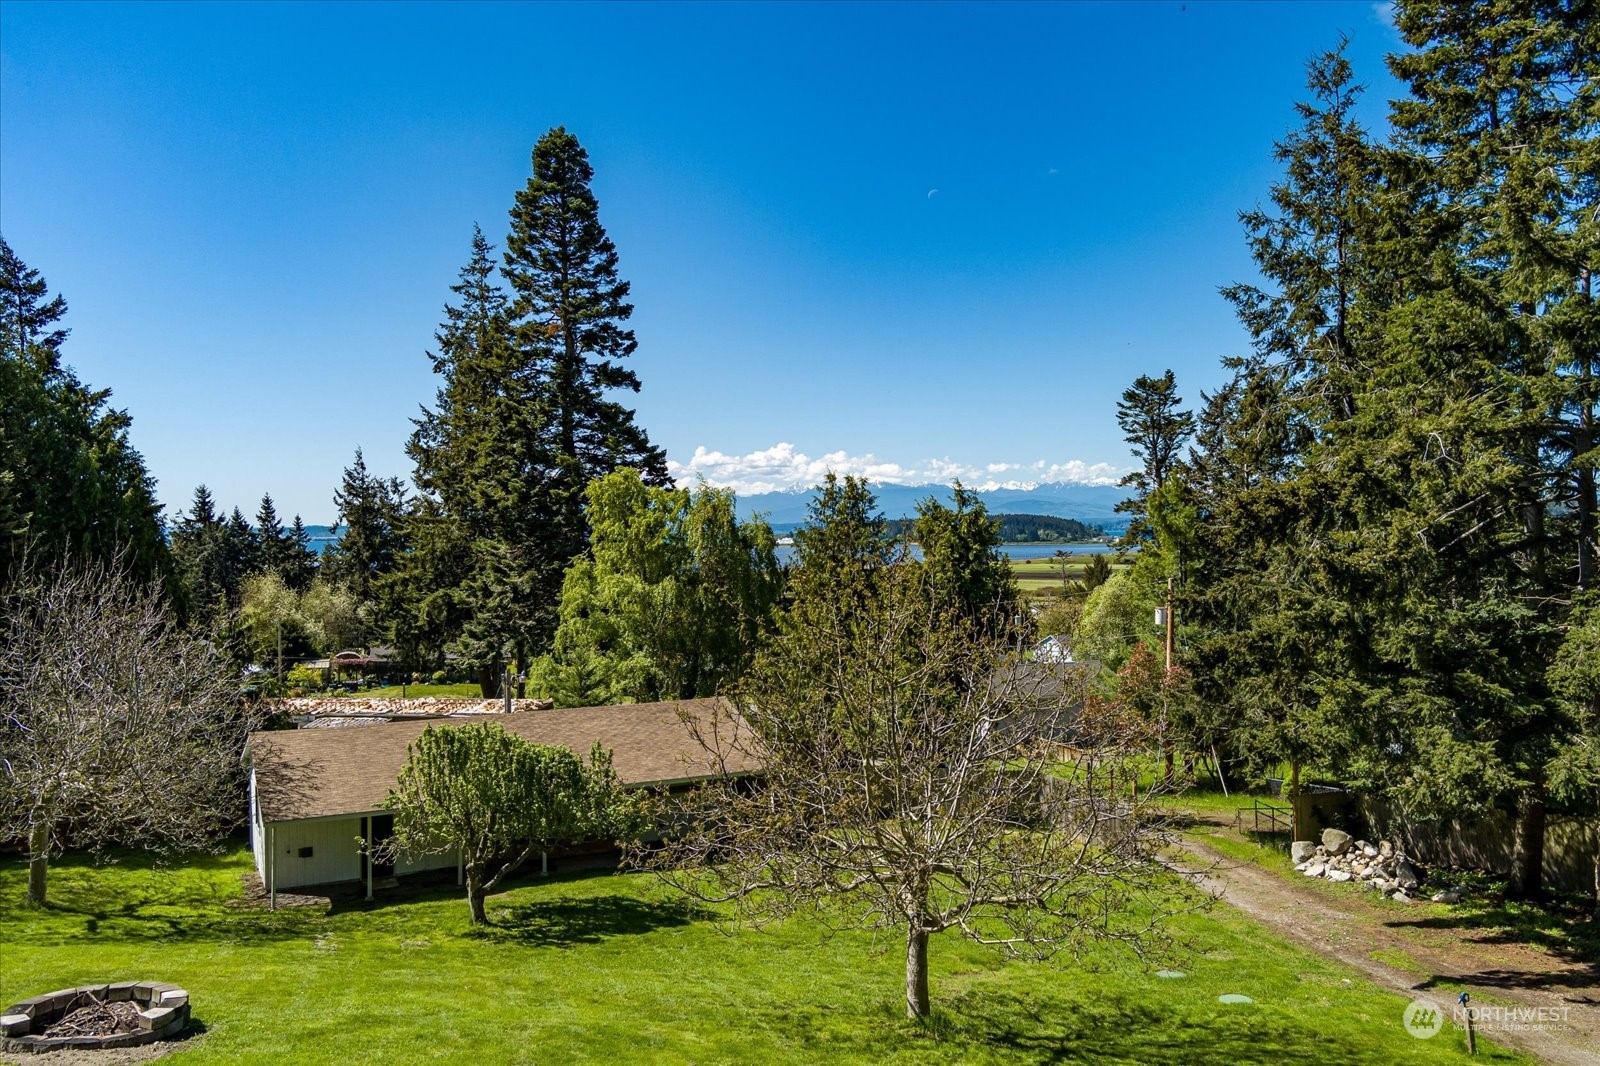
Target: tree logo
(1423, 1018)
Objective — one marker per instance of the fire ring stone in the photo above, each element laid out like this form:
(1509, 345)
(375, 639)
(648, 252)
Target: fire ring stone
(124, 1014)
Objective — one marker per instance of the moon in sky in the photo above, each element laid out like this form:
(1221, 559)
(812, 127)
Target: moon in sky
(931, 193)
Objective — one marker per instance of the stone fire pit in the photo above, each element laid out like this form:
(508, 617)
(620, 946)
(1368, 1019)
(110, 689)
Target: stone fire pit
(125, 1014)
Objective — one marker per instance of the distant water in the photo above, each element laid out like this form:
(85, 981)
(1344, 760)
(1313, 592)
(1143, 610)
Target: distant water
(1010, 551)
(322, 538)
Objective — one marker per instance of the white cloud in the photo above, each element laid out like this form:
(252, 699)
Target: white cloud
(783, 467)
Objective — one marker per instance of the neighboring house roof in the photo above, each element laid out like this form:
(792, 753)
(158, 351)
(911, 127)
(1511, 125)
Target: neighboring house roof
(323, 773)
(1056, 646)
(1048, 696)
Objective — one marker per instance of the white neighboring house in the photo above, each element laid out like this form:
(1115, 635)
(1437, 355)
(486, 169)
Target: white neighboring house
(316, 795)
(1053, 649)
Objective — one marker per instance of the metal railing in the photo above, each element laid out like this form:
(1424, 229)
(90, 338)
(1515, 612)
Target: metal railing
(1264, 817)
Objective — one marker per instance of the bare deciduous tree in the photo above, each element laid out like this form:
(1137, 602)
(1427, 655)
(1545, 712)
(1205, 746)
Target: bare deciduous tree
(116, 726)
(917, 780)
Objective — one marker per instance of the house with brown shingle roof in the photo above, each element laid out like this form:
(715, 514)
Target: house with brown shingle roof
(316, 795)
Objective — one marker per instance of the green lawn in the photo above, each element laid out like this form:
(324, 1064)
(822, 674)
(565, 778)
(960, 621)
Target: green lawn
(608, 967)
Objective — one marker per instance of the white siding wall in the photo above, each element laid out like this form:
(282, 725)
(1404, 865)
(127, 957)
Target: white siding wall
(258, 833)
(335, 855)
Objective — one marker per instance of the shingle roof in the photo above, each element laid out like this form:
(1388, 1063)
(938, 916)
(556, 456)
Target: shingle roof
(319, 773)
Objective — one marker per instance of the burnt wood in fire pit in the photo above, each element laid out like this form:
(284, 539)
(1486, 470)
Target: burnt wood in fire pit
(124, 1014)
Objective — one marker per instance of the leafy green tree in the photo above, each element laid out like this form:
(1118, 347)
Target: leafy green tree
(670, 602)
(1116, 617)
(497, 799)
(268, 607)
(331, 615)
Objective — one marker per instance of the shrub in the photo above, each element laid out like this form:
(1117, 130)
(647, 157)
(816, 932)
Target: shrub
(306, 678)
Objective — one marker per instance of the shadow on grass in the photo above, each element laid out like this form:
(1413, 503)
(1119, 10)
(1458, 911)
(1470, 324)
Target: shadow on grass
(135, 895)
(583, 920)
(1028, 1029)
(1566, 928)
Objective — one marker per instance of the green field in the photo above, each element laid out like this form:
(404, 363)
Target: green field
(614, 967)
(1042, 577)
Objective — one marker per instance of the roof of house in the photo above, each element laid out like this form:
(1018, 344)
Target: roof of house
(321, 773)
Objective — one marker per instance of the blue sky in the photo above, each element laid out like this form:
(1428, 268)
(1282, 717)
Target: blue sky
(914, 241)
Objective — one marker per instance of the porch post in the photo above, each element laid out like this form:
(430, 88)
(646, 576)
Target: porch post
(272, 867)
(366, 832)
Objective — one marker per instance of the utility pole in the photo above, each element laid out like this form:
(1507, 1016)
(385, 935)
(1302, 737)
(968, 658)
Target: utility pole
(1166, 679)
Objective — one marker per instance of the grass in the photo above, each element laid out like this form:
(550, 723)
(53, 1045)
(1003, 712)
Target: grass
(1042, 577)
(1563, 925)
(615, 968)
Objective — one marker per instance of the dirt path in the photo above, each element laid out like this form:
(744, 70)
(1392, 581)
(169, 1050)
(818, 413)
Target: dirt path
(1352, 930)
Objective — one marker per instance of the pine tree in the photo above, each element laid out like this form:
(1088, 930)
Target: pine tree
(567, 320)
(473, 452)
(301, 566)
(1156, 429)
(524, 419)
(275, 547)
(967, 575)
(71, 483)
(1498, 142)
(28, 315)
(371, 509)
(196, 549)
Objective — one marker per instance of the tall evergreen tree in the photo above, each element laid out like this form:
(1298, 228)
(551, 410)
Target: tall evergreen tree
(71, 483)
(371, 511)
(1157, 430)
(567, 319)
(525, 418)
(197, 550)
(275, 546)
(301, 567)
(967, 575)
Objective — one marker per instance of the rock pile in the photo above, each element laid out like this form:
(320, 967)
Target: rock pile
(1381, 867)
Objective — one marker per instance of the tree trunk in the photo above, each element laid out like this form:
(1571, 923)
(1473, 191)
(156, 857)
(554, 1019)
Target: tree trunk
(488, 682)
(1597, 871)
(475, 894)
(916, 972)
(1527, 857)
(38, 862)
